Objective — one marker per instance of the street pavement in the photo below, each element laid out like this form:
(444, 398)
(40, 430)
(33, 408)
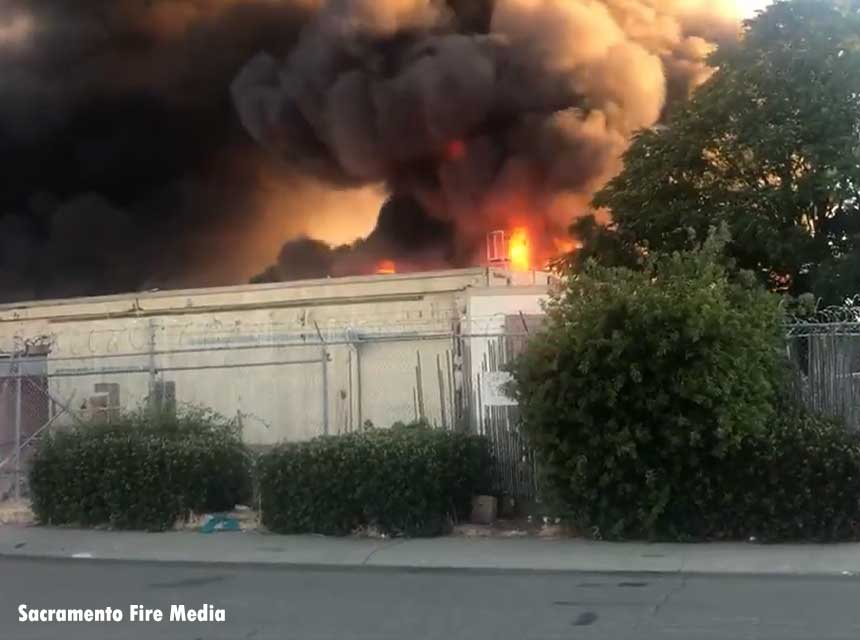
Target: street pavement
(361, 603)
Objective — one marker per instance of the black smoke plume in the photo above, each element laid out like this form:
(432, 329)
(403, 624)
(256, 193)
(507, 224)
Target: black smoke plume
(125, 166)
(405, 235)
(488, 114)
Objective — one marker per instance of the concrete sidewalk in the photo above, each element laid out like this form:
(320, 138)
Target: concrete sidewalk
(532, 554)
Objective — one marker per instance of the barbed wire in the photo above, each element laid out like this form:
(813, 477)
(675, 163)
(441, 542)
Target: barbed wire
(806, 329)
(136, 338)
(841, 319)
(224, 343)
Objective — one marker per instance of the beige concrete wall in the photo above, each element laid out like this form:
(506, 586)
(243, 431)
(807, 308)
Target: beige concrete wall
(407, 380)
(366, 380)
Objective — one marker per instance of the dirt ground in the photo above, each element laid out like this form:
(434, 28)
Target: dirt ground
(19, 513)
(16, 512)
(514, 528)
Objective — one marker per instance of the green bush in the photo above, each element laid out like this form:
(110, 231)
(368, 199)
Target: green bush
(405, 480)
(641, 387)
(797, 480)
(140, 472)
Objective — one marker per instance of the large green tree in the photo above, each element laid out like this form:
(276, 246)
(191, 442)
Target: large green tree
(770, 146)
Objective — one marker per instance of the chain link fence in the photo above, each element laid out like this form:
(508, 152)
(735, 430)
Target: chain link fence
(826, 359)
(277, 385)
(27, 410)
(280, 384)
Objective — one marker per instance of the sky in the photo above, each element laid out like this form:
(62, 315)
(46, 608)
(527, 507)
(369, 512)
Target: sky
(748, 8)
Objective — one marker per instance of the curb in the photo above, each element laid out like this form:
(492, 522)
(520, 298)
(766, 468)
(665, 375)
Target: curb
(373, 568)
(417, 555)
(365, 566)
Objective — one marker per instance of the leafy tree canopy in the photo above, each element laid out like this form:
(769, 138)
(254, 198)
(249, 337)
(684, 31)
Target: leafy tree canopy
(770, 146)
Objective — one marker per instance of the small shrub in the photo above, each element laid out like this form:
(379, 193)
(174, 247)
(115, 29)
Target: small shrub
(403, 480)
(140, 472)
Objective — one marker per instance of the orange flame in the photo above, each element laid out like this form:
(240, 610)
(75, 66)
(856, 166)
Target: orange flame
(386, 267)
(519, 252)
(565, 245)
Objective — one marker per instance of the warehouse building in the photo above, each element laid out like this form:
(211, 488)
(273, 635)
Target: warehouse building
(289, 361)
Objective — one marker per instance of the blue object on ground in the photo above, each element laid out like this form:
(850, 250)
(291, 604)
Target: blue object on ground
(219, 522)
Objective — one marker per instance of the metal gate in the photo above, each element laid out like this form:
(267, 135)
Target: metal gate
(497, 416)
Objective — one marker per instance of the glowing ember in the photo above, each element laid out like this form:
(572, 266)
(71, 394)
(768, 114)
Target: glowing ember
(386, 267)
(519, 250)
(455, 150)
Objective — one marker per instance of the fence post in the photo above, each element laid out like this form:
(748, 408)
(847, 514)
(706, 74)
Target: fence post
(324, 362)
(357, 348)
(354, 389)
(152, 401)
(18, 391)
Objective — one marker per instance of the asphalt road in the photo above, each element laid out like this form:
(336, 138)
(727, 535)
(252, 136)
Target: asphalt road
(284, 603)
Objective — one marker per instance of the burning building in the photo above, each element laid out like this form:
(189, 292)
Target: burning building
(138, 169)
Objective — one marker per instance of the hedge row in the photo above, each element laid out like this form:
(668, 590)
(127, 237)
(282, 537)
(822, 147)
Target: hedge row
(145, 473)
(140, 472)
(798, 480)
(405, 480)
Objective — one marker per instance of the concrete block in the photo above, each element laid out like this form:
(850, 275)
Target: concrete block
(484, 509)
